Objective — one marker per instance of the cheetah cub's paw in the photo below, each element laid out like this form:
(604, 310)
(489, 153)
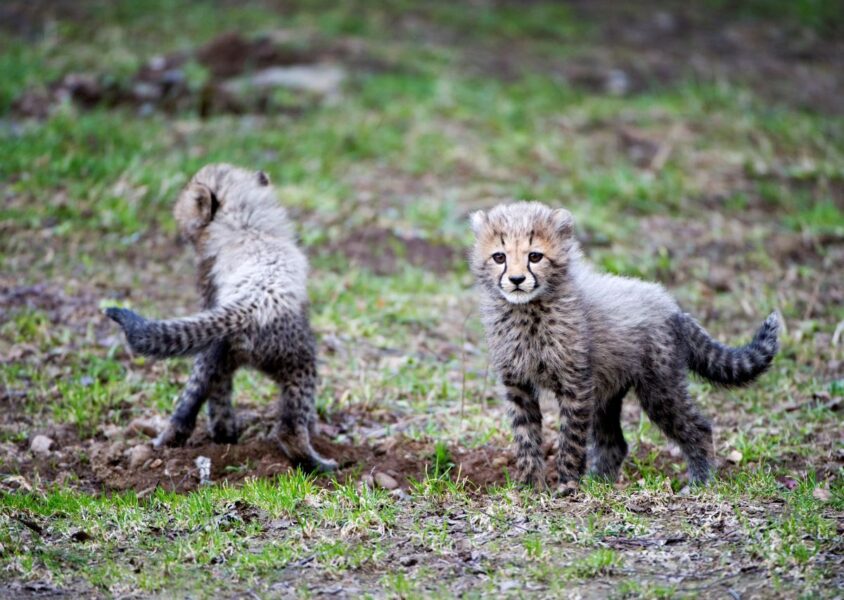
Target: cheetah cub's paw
(224, 429)
(173, 437)
(318, 464)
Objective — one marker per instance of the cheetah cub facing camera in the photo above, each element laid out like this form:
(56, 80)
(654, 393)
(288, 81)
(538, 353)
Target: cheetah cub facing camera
(252, 281)
(554, 323)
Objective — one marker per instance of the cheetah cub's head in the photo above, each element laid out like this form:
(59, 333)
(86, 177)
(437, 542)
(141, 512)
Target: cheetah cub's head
(212, 190)
(521, 250)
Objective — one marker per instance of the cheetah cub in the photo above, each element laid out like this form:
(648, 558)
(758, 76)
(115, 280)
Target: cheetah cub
(252, 282)
(554, 323)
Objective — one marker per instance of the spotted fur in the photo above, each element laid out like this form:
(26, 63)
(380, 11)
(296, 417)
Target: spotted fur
(554, 323)
(252, 281)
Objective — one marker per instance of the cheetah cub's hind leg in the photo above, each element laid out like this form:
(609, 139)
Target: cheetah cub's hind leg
(607, 448)
(664, 395)
(222, 420)
(297, 420)
(668, 404)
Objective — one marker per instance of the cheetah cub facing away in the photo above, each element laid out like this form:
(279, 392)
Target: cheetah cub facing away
(554, 323)
(252, 281)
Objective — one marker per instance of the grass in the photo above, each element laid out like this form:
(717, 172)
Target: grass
(743, 217)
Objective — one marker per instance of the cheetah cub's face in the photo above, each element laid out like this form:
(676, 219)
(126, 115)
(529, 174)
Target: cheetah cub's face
(521, 250)
(206, 194)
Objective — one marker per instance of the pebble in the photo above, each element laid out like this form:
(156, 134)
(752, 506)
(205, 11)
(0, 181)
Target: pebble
(112, 432)
(138, 455)
(385, 481)
(499, 462)
(41, 445)
(149, 426)
(114, 452)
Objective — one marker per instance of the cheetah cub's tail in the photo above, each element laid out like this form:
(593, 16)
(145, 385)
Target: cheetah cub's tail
(179, 337)
(731, 366)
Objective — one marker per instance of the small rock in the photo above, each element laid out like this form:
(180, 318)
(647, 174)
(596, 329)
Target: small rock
(385, 481)
(665, 21)
(41, 445)
(637, 508)
(156, 463)
(115, 452)
(172, 467)
(734, 457)
(146, 91)
(508, 585)
(148, 426)
(399, 494)
(138, 455)
(279, 524)
(617, 82)
(112, 431)
(408, 561)
(720, 278)
(499, 462)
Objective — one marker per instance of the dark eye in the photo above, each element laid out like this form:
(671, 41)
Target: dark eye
(499, 257)
(535, 257)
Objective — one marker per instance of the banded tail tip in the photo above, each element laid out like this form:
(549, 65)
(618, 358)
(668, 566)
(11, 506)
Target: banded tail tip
(124, 317)
(770, 328)
(773, 321)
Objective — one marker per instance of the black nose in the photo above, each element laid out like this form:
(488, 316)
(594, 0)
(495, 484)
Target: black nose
(517, 279)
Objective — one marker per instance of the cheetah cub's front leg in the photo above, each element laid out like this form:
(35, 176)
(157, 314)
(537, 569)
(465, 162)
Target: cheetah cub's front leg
(526, 419)
(575, 400)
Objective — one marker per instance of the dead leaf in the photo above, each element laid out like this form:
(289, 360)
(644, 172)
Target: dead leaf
(821, 494)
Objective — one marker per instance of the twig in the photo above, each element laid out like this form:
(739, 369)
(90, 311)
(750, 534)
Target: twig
(506, 522)
(836, 337)
(483, 389)
(402, 425)
(664, 151)
(813, 299)
(463, 369)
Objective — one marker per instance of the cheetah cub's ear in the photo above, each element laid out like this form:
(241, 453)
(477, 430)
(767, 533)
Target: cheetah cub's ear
(477, 220)
(195, 209)
(563, 222)
(207, 203)
(263, 179)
